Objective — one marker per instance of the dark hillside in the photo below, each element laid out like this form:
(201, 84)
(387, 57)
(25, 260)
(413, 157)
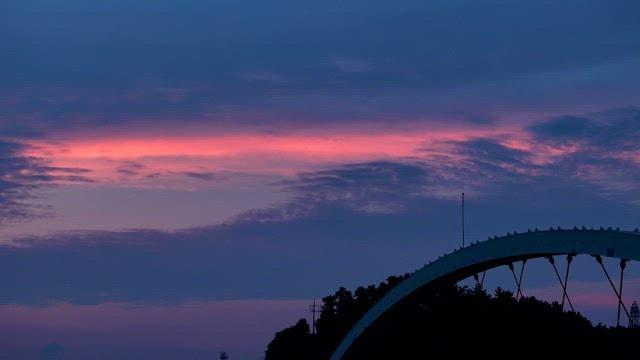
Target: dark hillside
(450, 321)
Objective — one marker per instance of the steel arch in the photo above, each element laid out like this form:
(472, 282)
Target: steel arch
(485, 255)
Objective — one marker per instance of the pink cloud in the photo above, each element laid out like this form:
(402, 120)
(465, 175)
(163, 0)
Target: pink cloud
(201, 150)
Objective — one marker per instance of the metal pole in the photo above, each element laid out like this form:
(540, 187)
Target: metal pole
(520, 281)
(564, 287)
(599, 260)
(463, 220)
(623, 264)
(566, 279)
(314, 309)
(515, 278)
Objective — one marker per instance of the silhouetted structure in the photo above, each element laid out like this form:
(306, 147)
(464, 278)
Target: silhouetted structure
(634, 319)
(428, 324)
(499, 251)
(404, 319)
(314, 308)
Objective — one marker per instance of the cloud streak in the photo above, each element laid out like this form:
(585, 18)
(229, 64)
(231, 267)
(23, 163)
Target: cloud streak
(20, 178)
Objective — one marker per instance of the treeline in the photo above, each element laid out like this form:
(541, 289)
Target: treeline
(450, 321)
(337, 315)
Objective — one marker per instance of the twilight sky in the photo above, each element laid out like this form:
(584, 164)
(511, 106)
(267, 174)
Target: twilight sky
(212, 166)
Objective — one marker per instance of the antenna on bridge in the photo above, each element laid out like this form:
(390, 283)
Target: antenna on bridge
(463, 219)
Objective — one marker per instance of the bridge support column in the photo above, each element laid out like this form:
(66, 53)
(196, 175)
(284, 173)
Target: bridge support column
(479, 279)
(623, 264)
(618, 294)
(566, 279)
(518, 280)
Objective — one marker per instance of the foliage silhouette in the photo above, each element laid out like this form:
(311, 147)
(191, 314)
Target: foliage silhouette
(447, 320)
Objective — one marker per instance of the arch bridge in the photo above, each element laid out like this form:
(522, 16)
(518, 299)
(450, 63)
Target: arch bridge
(499, 251)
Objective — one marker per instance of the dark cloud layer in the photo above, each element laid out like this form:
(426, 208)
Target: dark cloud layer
(291, 258)
(249, 63)
(615, 130)
(213, 41)
(376, 187)
(607, 155)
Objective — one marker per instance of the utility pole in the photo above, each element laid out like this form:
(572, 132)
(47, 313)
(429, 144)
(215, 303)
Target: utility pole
(462, 219)
(314, 310)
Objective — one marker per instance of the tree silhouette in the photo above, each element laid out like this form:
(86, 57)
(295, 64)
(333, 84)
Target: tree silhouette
(291, 343)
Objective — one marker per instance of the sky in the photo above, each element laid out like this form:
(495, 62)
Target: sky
(183, 178)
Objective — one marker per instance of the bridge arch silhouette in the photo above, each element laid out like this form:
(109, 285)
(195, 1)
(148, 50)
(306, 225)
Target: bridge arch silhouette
(499, 251)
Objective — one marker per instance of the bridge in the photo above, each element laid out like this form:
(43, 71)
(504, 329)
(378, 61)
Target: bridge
(499, 251)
